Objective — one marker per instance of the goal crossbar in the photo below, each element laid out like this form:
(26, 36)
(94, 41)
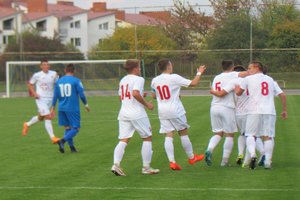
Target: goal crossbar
(9, 63)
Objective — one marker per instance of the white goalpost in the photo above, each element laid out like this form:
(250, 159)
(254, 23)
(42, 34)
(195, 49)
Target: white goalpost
(92, 72)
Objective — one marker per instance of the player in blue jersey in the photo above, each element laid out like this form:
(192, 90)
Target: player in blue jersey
(68, 89)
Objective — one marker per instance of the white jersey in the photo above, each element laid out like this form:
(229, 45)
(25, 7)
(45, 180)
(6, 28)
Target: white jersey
(241, 101)
(218, 84)
(262, 90)
(44, 83)
(131, 109)
(167, 89)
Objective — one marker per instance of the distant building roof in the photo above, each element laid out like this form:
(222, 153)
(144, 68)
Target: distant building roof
(93, 15)
(35, 16)
(6, 12)
(139, 19)
(64, 11)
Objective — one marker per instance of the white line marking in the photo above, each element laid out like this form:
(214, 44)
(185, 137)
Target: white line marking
(151, 189)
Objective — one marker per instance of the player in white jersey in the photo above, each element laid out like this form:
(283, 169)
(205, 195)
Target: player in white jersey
(261, 117)
(133, 117)
(222, 113)
(166, 89)
(44, 82)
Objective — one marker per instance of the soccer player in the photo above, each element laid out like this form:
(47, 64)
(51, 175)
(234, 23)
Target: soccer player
(222, 113)
(44, 82)
(171, 112)
(133, 117)
(261, 118)
(68, 89)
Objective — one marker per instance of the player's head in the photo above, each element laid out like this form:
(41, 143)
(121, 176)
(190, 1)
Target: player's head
(132, 66)
(44, 65)
(165, 65)
(255, 67)
(239, 68)
(227, 65)
(70, 69)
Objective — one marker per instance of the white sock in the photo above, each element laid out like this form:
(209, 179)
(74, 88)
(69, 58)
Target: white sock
(260, 146)
(214, 141)
(241, 144)
(187, 146)
(227, 148)
(49, 128)
(147, 153)
(269, 146)
(251, 146)
(33, 120)
(247, 158)
(169, 147)
(119, 152)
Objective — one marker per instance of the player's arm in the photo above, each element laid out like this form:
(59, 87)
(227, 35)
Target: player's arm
(238, 90)
(54, 100)
(197, 78)
(137, 95)
(32, 90)
(221, 93)
(243, 74)
(284, 114)
(82, 96)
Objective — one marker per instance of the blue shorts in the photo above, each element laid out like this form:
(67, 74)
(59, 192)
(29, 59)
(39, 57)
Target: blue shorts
(69, 118)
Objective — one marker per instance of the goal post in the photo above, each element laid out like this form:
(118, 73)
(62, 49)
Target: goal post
(95, 74)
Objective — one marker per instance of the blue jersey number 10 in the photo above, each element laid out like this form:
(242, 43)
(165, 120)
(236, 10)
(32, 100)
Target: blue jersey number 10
(65, 90)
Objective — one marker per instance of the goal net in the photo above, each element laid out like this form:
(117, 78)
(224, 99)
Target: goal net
(96, 75)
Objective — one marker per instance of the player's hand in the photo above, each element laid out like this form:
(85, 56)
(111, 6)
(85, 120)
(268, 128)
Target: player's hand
(212, 91)
(52, 112)
(150, 106)
(87, 108)
(145, 94)
(201, 69)
(284, 115)
(36, 96)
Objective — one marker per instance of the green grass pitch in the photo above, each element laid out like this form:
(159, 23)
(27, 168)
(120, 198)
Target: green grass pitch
(32, 168)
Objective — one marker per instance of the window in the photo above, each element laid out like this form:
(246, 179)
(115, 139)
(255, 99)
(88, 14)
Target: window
(41, 25)
(8, 24)
(77, 24)
(6, 39)
(76, 42)
(103, 26)
(71, 25)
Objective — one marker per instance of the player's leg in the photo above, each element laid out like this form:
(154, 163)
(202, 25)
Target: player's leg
(70, 141)
(126, 131)
(227, 148)
(32, 121)
(216, 124)
(260, 148)
(241, 123)
(62, 121)
(167, 128)
(268, 137)
(143, 127)
(253, 127)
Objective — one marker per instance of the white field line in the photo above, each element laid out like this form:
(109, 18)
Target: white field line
(149, 189)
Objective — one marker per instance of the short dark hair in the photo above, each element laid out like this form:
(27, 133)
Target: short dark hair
(227, 64)
(239, 68)
(258, 64)
(70, 68)
(131, 64)
(163, 64)
(44, 60)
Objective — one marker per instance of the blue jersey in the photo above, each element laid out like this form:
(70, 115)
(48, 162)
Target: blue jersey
(67, 90)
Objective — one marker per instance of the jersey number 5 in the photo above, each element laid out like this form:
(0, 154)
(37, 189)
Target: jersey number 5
(125, 93)
(264, 88)
(164, 92)
(65, 90)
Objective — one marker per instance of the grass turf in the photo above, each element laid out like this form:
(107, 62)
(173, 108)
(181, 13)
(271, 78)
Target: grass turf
(32, 168)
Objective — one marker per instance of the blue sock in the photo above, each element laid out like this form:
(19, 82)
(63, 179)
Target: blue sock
(70, 141)
(70, 134)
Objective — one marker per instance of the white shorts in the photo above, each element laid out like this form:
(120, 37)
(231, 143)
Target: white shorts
(241, 123)
(44, 106)
(260, 125)
(176, 124)
(127, 128)
(222, 119)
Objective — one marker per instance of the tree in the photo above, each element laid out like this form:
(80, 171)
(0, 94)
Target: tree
(130, 42)
(36, 47)
(187, 26)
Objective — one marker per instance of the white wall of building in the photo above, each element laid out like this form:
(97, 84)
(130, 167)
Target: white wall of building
(97, 29)
(51, 26)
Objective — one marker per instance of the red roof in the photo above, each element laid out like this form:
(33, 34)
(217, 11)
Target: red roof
(139, 19)
(64, 11)
(6, 12)
(93, 15)
(35, 16)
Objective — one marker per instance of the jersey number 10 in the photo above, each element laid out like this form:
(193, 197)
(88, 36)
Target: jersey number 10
(65, 90)
(164, 92)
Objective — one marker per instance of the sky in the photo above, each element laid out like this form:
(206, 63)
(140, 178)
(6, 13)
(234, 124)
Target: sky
(122, 4)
